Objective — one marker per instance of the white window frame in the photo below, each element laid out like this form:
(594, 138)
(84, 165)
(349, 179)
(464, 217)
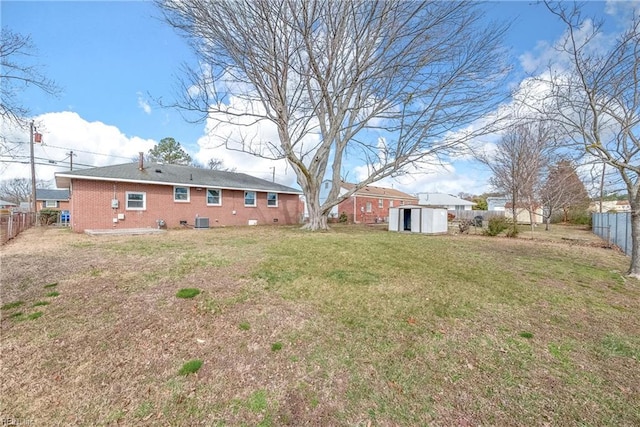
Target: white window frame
(144, 201)
(219, 197)
(269, 205)
(390, 203)
(175, 187)
(50, 203)
(255, 199)
(380, 203)
(369, 208)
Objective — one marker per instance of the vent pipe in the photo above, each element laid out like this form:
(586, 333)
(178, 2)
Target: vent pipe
(141, 161)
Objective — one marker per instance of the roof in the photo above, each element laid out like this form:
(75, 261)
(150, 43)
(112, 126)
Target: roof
(441, 199)
(379, 192)
(168, 174)
(5, 203)
(48, 194)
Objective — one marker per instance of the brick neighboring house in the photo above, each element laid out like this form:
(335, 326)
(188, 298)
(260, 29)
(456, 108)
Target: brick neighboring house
(371, 204)
(52, 199)
(146, 196)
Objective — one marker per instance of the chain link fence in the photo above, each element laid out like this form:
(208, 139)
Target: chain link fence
(615, 228)
(14, 223)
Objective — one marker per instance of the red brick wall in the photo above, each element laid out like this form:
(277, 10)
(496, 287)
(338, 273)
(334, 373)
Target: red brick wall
(361, 214)
(91, 207)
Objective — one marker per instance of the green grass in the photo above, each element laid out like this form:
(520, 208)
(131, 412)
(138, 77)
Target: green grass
(40, 303)
(10, 305)
(53, 294)
(51, 285)
(187, 293)
(245, 326)
(35, 315)
(365, 327)
(190, 367)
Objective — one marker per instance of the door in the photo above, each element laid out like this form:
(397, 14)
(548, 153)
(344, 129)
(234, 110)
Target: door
(415, 220)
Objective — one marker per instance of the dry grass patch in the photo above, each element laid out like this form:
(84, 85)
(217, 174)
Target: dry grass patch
(356, 326)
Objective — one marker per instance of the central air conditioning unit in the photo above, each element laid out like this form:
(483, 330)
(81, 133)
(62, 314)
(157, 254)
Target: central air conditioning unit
(202, 222)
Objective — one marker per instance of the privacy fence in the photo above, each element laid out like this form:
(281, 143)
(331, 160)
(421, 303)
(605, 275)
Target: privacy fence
(12, 224)
(614, 228)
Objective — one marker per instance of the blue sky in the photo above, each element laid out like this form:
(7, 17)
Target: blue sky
(111, 59)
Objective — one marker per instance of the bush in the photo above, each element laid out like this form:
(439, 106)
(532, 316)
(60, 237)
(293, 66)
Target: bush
(497, 225)
(343, 217)
(450, 216)
(48, 216)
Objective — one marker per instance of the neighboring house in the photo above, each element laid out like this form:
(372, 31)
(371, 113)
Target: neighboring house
(7, 205)
(53, 199)
(611, 206)
(135, 195)
(368, 205)
(446, 201)
(523, 215)
(497, 203)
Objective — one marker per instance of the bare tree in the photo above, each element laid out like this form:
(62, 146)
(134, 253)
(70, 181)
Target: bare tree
(518, 163)
(597, 100)
(563, 190)
(18, 72)
(18, 190)
(388, 84)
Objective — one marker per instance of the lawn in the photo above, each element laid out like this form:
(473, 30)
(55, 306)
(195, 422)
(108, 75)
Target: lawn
(276, 326)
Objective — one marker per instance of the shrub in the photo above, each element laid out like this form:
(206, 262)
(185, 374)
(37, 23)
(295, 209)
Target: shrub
(343, 217)
(450, 216)
(496, 226)
(48, 216)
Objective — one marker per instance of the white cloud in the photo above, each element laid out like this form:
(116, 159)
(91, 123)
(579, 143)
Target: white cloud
(143, 104)
(93, 144)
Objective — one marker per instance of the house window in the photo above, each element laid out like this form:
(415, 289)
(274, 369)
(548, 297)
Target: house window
(180, 194)
(401, 202)
(272, 199)
(249, 198)
(50, 203)
(368, 207)
(380, 203)
(214, 197)
(390, 203)
(136, 201)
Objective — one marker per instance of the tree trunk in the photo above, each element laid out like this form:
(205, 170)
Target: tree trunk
(317, 218)
(634, 269)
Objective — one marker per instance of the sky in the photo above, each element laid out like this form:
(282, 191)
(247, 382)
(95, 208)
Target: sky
(115, 61)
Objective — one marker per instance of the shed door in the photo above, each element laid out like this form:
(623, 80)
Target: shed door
(415, 220)
(394, 219)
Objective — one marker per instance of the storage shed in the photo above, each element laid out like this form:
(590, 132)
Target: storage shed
(418, 219)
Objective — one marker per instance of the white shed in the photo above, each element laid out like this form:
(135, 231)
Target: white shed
(418, 219)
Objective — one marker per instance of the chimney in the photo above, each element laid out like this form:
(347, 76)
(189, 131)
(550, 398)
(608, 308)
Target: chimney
(141, 161)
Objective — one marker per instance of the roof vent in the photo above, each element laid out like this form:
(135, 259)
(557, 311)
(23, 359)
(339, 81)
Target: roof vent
(158, 171)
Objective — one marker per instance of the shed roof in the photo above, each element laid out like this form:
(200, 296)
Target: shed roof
(5, 203)
(168, 174)
(52, 194)
(441, 199)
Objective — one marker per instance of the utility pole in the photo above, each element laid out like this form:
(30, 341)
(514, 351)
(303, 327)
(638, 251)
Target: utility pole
(33, 170)
(70, 153)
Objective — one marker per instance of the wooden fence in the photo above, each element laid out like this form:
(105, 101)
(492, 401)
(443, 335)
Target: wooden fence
(12, 224)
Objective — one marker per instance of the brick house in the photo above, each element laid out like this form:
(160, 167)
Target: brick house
(371, 204)
(57, 199)
(165, 195)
